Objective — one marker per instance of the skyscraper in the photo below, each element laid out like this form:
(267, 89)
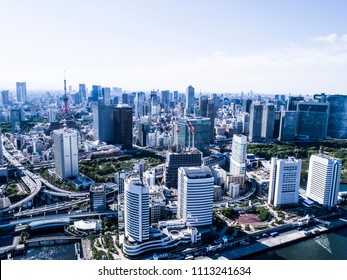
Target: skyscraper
(207, 110)
(1, 150)
(268, 121)
(190, 99)
(136, 209)
(193, 132)
(337, 125)
(5, 97)
(324, 179)
(21, 90)
(123, 117)
(312, 119)
(95, 93)
(83, 92)
(238, 155)
(287, 125)
(195, 195)
(15, 120)
(255, 123)
(293, 102)
(284, 182)
(103, 123)
(66, 152)
(175, 160)
(113, 124)
(139, 104)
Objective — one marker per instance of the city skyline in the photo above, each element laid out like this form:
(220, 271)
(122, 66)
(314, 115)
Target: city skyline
(225, 46)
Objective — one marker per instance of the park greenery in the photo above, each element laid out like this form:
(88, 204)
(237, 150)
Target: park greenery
(103, 169)
(263, 213)
(303, 150)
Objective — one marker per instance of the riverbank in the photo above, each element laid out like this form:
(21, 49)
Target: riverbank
(282, 240)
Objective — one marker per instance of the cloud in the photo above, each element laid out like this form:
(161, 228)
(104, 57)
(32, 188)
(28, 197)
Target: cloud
(331, 38)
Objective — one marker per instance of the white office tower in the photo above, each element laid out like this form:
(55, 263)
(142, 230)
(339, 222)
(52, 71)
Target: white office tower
(324, 179)
(136, 209)
(195, 195)
(66, 152)
(238, 155)
(284, 182)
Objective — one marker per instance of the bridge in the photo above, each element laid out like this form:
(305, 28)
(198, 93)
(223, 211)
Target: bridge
(51, 240)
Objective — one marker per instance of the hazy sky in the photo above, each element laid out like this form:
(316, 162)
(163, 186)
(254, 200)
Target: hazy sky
(217, 46)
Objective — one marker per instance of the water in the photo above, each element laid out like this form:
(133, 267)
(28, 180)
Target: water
(58, 252)
(330, 246)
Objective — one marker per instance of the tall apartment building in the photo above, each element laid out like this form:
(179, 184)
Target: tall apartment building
(238, 155)
(66, 153)
(284, 182)
(136, 209)
(175, 160)
(195, 195)
(324, 179)
(312, 119)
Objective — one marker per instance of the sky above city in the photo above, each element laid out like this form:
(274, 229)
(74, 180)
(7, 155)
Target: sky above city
(265, 46)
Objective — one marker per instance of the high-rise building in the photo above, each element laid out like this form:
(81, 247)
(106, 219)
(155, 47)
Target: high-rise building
(287, 125)
(1, 150)
(136, 209)
(16, 118)
(83, 92)
(66, 153)
(190, 99)
(113, 124)
(277, 123)
(5, 97)
(106, 95)
(139, 104)
(175, 160)
(293, 102)
(98, 197)
(21, 90)
(125, 98)
(312, 119)
(207, 110)
(238, 155)
(337, 124)
(95, 93)
(246, 105)
(284, 182)
(193, 132)
(255, 123)
(268, 121)
(123, 117)
(119, 179)
(324, 179)
(103, 123)
(195, 195)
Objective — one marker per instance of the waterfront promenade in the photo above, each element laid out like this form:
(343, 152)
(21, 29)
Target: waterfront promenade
(283, 239)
